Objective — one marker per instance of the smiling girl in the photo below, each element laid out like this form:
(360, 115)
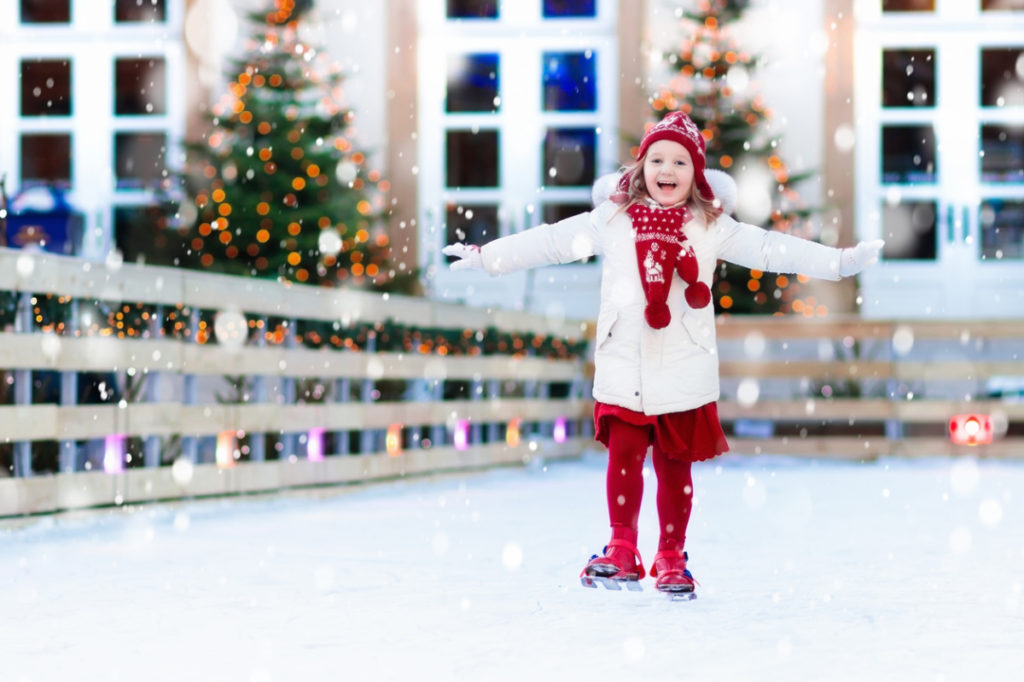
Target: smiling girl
(656, 385)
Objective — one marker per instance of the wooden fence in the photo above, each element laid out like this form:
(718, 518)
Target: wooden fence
(861, 389)
(213, 388)
(165, 428)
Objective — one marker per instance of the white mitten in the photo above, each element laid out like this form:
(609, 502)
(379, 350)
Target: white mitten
(469, 255)
(855, 259)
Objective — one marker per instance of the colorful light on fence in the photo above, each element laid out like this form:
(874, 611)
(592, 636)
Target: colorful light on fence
(315, 444)
(970, 429)
(225, 449)
(113, 453)
(393, 440)
(461, 435)
(561, 430)
(512, 432)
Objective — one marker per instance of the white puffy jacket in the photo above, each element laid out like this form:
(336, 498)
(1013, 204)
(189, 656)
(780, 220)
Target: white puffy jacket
(655, 371)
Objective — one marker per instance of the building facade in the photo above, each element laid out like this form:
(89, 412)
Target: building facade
(490, 116)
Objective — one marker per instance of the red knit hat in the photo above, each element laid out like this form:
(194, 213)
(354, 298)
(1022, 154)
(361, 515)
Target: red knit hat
(678, 127)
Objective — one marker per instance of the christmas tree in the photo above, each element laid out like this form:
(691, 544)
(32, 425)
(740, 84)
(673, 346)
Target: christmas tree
(711, 84)
(279, 186)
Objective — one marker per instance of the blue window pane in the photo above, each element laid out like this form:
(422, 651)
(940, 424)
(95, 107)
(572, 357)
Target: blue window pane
(569, 155)
(908, 154)
(1002, 158)
(570, 81)
(1002, 230)
(472, 9)
(570, 8)
(473, 82)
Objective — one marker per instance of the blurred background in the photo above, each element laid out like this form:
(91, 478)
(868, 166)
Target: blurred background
(469, 119)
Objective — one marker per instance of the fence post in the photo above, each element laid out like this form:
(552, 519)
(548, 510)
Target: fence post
(152, 454)
(494, 394)
(367, 436)
(258, 441)
(69, 396)
(289, 438)
(342, 392)
(437, 434)
(23, 324)
(190, 393)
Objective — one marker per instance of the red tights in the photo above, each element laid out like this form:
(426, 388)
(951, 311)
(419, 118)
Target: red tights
(625, 484)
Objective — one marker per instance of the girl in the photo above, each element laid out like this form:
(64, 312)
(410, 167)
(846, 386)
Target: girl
(656, 366)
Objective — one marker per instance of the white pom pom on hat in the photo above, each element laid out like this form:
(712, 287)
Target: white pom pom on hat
(724, 188)
(603, 188)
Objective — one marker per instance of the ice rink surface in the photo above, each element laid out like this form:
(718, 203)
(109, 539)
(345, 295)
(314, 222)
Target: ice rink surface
(809, 570)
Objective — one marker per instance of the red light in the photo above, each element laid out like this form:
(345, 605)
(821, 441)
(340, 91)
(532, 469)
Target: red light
(970, 429)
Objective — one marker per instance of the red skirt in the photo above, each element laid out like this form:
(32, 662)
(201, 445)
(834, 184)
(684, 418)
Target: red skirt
(692, 436)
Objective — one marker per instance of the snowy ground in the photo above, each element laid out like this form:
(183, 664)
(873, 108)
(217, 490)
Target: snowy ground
(809, 571)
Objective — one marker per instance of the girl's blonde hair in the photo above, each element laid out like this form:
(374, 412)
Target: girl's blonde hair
(636, 190)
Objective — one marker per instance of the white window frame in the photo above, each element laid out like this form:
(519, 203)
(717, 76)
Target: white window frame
(519, 37)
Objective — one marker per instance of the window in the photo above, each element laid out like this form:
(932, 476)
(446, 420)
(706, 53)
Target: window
(570, 8)
(908, 5)
(908, 154)
(472, 224)
(569, 81)
(140, 158)
(472, 9)
(141, 232)
(45, 11)
(910, 230)
(569, 157)
(140, 86)
(472, 158)
(140, 11)
(1002, 5)
(908, 78)
(46, 158)
(1002, 153)
(555, 212)
(1002, 229)
(473, 83)
(1002, 77)
(46, 87)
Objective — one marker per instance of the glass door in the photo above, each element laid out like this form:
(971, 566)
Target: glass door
(940, 156)
(517, 110)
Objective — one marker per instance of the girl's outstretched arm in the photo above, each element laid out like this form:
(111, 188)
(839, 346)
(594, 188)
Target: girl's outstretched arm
(760, 249)
(563, 242)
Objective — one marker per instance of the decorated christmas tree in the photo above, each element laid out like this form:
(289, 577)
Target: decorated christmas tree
(279, 186)
(711, 82)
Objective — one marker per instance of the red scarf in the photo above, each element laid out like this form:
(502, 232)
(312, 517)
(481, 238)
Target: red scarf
(660, 251)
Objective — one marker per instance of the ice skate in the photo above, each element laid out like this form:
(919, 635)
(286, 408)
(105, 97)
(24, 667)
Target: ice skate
(672, 575)
(619, 565)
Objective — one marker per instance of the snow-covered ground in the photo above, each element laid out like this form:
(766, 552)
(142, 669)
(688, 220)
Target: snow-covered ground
(894, 570)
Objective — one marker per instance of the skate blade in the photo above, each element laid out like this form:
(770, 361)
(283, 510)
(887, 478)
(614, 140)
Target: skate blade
(679, 595)
(593, 581)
